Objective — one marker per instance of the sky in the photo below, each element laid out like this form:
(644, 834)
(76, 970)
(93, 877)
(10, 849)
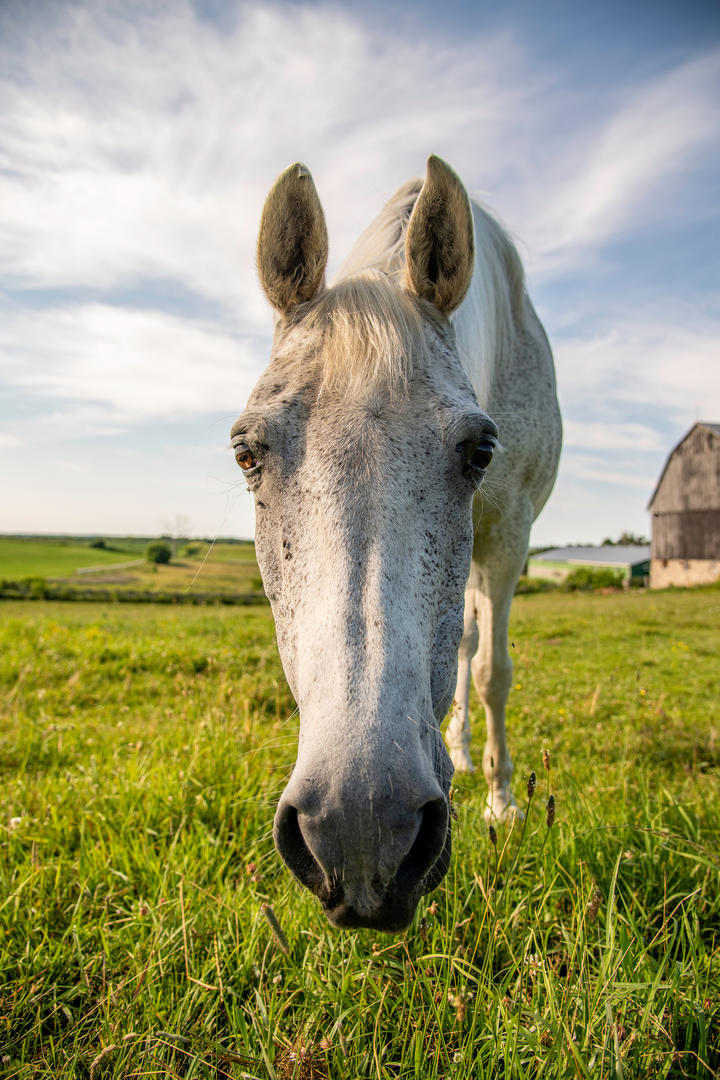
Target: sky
(138, 139)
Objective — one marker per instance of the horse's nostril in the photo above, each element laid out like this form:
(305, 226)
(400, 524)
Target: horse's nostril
(429, 845)
(290, 842)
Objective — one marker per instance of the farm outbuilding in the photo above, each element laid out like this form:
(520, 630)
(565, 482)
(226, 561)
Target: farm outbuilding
(685, 512)
(555, 565)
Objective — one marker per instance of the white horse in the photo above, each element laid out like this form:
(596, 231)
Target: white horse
(365, 444)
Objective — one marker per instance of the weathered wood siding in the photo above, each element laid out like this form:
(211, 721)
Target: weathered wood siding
(691, 480)
(685, 507)
(692, 534)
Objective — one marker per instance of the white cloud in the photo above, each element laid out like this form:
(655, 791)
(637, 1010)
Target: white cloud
(9, 440)
(137, 143)
(668, 364)
(610, 435)
(596, 469)
(586, 510)
(154, 162)
(621, 172)
(134, 366)
(628, 395)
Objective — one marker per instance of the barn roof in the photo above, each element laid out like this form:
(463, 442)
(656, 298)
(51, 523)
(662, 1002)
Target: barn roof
(607, 555)
(715, 428)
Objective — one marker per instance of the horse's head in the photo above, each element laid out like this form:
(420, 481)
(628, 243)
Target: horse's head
(363, 445)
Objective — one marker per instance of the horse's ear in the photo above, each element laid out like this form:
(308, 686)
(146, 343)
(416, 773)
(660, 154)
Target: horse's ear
(440, 241)
(292, 246)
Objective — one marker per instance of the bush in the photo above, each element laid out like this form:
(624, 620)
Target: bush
(589, 578)
(38, 588)
(534, 585)
(158, 552)
(193, 549)
(97, 544)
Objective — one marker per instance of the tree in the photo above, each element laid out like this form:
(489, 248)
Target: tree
(627, 539)
(158, 552)
(632, 539)
(176, 530)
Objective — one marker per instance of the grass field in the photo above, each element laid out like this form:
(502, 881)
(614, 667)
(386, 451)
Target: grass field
(209, 568)
(32, 557)
(142, 751)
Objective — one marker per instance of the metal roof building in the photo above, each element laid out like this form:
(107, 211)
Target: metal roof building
(633, 559)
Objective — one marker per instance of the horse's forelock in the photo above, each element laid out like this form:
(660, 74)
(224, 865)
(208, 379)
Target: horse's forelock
(371, 333)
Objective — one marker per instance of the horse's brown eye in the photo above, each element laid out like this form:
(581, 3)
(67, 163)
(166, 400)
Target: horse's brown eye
(244, 456)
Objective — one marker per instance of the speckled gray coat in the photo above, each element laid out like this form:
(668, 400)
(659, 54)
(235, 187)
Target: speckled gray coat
(365, 445)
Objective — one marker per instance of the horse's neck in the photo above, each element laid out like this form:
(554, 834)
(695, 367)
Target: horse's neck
(492, 314)
(382, 245)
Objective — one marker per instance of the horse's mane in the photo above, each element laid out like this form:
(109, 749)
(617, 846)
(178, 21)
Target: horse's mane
(368, 315)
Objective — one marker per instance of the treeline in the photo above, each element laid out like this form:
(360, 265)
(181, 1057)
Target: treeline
(582, 579)
(37, 588)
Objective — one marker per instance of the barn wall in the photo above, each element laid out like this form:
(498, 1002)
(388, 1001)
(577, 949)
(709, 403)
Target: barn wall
(691, 480)
(690, 534)
(666, 572)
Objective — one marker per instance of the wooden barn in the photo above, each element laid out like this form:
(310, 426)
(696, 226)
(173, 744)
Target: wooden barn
(685, 512)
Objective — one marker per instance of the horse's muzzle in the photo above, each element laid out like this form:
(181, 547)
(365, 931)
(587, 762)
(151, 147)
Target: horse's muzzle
(352, 898)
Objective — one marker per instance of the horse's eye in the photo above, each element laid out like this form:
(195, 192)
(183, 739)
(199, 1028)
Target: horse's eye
(244, 456)
(482, 455)
(477, 457)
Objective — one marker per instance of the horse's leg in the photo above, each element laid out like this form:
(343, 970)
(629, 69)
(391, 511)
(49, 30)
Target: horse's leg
(492, 671)
(457, 735)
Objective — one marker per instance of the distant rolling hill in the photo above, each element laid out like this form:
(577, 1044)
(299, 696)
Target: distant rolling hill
(225, 567)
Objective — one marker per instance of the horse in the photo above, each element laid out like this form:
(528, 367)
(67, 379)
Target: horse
(388, 555)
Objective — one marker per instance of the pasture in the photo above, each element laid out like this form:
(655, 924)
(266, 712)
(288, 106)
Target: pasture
(22, 556)
(147, 927)
(199, 567)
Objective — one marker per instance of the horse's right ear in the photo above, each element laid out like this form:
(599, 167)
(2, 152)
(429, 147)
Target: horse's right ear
(440, 239)
(292, 246)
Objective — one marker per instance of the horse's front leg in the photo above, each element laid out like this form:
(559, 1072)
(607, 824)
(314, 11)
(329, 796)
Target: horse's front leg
(492, 671)
(457, 735)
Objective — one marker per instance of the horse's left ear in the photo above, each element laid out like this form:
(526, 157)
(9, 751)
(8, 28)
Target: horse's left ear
(292, 246)
(440, 241)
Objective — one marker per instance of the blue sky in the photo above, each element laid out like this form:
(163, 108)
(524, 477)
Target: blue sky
(138, 140)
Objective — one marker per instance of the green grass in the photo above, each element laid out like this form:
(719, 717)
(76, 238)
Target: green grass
(220, 567)
(235, 553)
(33, 557)
(142, 751)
